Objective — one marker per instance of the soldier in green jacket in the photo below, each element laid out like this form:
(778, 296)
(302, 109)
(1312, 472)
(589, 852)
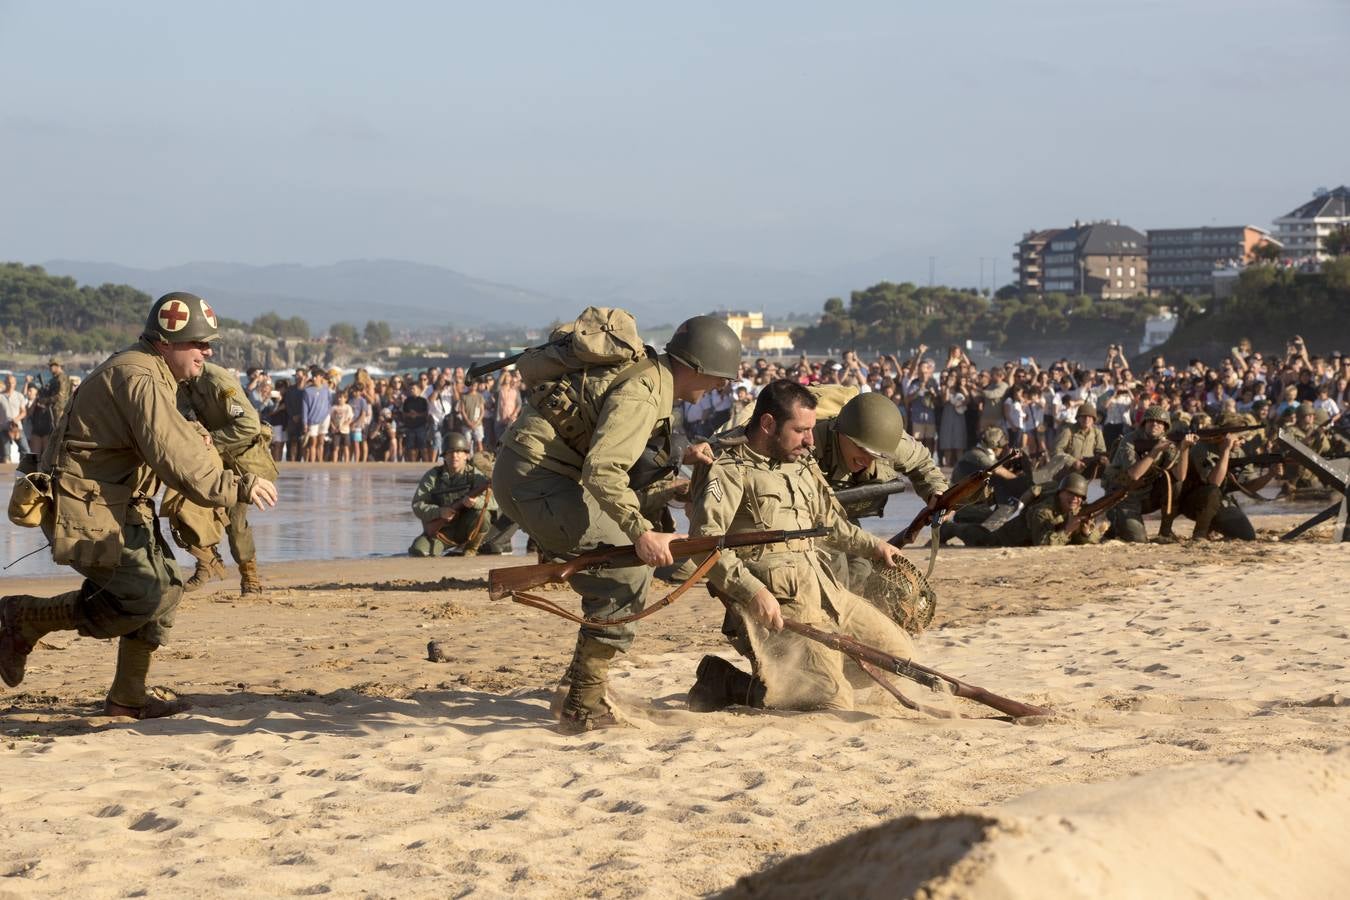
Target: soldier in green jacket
(1216, 470)
(1052, 520)
(1152, 467)
(216, 401)
(122, 438)
(771, 481)
(453, 501)
(1081, 448)
(572, 495)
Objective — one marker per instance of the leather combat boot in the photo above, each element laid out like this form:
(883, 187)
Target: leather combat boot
(585, 707)
(249, 582)
(720, 684)
(207, 570)
(23, 622)
(128, 696)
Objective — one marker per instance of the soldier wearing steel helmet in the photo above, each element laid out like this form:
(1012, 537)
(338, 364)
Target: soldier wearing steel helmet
(1152, 467)
(216, 401)
(1216, 470)
(867, 444)
(1006, 486)
(1081, 448)
(122, 437)
(1051, 520)
(454, 500)
(570, 502)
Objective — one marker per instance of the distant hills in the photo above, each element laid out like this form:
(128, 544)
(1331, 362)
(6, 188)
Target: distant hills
(404, 294)
(413, 295)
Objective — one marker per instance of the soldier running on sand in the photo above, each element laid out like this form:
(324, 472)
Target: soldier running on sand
(570, 502)
(121, 438)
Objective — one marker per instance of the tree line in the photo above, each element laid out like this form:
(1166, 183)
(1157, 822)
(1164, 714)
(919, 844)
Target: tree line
(44, 313)
(889, 316)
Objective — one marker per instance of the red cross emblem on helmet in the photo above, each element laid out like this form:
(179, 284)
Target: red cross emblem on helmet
(173, 316)
(210, 314)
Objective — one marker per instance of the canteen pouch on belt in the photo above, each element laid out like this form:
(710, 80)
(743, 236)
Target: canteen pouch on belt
(31, 501)
(192, 525)
(87, 521)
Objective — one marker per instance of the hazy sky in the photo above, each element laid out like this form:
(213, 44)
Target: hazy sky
(532, 141)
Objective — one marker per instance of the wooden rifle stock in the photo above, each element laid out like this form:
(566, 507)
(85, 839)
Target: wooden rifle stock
(1102, 504)
(432, 528)
(1218, 433)
(503, 582)
(930, 678)
(955, 496)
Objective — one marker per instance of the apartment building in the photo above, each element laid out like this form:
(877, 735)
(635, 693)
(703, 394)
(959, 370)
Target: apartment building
(1030, 260)
(1104, 259)
(1303, 230)
(1184, 260)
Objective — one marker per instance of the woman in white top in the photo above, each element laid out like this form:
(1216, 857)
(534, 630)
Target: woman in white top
(1015, 417)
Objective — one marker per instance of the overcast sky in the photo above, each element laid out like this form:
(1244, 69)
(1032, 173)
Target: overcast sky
(530, 141)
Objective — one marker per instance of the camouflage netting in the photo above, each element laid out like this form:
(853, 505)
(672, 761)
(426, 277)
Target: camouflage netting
(903, 594)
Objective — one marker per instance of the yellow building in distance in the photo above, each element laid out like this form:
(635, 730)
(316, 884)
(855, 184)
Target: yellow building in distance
(755, 336)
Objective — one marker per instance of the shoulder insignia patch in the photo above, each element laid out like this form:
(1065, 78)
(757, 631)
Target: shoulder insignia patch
(236, 410)
(714, 488)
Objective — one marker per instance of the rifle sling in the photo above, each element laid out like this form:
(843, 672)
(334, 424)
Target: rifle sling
(542, 603)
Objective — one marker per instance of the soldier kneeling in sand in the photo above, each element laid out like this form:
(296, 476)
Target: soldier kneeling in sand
(771, 481)
(453, 502)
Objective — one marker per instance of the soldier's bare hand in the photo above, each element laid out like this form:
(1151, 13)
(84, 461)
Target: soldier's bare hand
(766, 611)
(264, 494)
(1190, 439)
(698, 453)
(448, 512)
(887, 554)
(653, 548)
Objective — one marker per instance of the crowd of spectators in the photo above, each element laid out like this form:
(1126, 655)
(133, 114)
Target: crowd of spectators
(946, 408)
(321, 416)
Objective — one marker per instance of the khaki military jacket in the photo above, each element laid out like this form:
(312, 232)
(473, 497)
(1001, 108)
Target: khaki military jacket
(1127, 455)
(1046, 524)
(123, 428)
(625, 420)
(745, 491)
(440, 487)
(216, 401)
(1081, 443)
(1204, 457)
(56, 394)
(909, 459)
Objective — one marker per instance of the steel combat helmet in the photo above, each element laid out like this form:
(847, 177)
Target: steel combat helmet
(179, 317)
(1157, 413)
(872, 422)
(993, 437)
(707, 345)
(1074, 484)
(456, 440)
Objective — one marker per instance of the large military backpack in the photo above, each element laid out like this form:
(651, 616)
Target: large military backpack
(567, 379)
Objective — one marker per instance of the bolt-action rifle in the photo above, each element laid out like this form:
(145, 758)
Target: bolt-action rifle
(907, 668)
(959, 494)
(432, 528)
(504, 582)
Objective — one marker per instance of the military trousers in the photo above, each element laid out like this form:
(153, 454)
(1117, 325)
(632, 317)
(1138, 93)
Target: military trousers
(802, 674)
(240, 534)
(1212, 510)
(1127, 517)
(469, 525)
(138, 597)
(564, 520)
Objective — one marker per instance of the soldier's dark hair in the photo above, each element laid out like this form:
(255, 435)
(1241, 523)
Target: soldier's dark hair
(779, 399)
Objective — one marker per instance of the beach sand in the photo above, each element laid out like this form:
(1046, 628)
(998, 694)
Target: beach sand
(1199, 745)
